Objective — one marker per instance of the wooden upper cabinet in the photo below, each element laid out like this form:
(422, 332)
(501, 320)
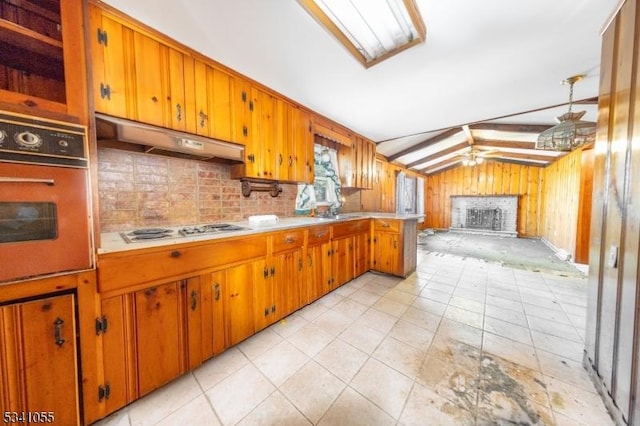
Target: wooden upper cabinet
(241, 92)
(110, 43)
(301, 135)
(260, 149)
(176, 107)
(284, 149)
(220, 104)
(150, 69)
(42, 65)
(347, 165)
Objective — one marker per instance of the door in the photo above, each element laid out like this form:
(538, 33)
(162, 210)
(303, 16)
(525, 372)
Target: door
(110, 43)
(385, 252)
(38, 359)
(238, 303)
(158, 335)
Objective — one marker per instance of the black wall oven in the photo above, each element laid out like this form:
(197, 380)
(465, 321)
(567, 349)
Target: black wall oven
(44, 203)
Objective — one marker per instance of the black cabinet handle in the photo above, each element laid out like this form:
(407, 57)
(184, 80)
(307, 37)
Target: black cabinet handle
(57, 325)
(194, 300)
(175, 254)
(217, 290)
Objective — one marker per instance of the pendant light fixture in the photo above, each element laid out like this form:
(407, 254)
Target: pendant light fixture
(570, 132)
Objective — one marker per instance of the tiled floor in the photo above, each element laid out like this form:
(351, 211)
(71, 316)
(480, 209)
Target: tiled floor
(461, 341)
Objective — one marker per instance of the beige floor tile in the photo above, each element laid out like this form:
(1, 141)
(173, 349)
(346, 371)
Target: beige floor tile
(331, 299)
(342, 359)
(383, 386)
(274, 410)
(558, 345)
(259, 343)
(499, 302)
(436, 295)
(424, 319)
(577, 404)
(418, 337)
(312, 390)
(310, 339)
(400, 356)
(514, 317)
(411, 285)
(196, 412)
(448, 287)
(429, 305)
(350, 308)
(375, 288)
(454, 330)
(467, 293)
(353, 409)
(390, 307)
(565, 370)
(362, 337)
(451, 369)
(553, 328)
(509, 330)
(427, 407)
(545, 313)
(466, 304)
(312, 311)
(220, 367)
(378, 320)
(365, 297)
(346, 290)
(160, 403)
(464, 316)
(510, 350)
(511, 293)
(281, 362)
(400, 296)
(333, 322)
(237, 395)
(289, 325)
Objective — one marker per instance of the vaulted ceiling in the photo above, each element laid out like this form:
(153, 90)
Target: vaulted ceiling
(487, 78)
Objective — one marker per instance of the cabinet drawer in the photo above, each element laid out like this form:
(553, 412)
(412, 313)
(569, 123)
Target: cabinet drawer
(125, 269)
(318, 235)
(283, 241)
(351, 227)
(386, 225)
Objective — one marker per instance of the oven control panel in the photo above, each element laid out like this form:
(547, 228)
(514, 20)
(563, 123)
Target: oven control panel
(25, 139)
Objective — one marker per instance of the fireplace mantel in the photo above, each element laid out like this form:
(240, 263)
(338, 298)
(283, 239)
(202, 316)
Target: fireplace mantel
(485, 214)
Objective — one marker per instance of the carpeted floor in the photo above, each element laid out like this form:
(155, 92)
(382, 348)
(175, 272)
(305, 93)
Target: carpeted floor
(522, 253)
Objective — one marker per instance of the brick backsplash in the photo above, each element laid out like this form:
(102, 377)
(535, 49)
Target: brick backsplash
(141, 190)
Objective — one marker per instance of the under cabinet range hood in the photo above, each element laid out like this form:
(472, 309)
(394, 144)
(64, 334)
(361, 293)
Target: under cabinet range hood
(158, 140)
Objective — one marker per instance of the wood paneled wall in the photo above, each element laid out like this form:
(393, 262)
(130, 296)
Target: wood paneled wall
(560, 202)
(613, 321)
(488, 178)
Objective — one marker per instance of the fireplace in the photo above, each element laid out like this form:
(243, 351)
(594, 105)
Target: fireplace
(487, 214)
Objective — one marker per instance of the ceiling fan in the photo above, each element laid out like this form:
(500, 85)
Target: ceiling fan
(475, 156)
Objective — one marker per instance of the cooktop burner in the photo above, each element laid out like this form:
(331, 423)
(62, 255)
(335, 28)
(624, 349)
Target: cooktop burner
(209, 229)
(149, 234)
(146, 234)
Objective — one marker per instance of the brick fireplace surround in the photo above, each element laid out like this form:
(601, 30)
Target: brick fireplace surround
(488, 214)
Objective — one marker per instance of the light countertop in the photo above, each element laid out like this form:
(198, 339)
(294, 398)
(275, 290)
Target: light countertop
(113, 242)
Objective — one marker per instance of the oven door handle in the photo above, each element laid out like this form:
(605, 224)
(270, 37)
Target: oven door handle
(49, 182)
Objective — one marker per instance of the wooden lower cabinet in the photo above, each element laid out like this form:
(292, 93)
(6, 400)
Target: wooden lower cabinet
(394, 246)
(318, 271)
(38, 361)
(238, 301)
(342, 261)
(153, 336)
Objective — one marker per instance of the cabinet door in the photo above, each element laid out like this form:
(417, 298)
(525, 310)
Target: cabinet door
(263, 294)
(110, 55)
(176, 96)
(118, 352)
(343, 260)
(346, 164)
(158, 328)
(201, 97)
(386, 252)
(283, 140)
(220, 104)
(193, 308)
(302, 143)
(262, 145)
(318, 273)
(150, 87)
(218, 335)
(241, 92)
(362, 253)
(288, 284)
(38, 364)
(238, 303)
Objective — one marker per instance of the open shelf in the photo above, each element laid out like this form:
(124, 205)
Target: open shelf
(30, 41)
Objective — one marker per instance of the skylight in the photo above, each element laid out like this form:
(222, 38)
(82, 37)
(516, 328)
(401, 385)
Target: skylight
(372, 30)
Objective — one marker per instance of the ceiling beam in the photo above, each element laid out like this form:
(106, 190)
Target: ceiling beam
(504, 144)
(468, 134)
(426, 143)
(512, 155)
(442, 167)
(517, 128)
(438, 154)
